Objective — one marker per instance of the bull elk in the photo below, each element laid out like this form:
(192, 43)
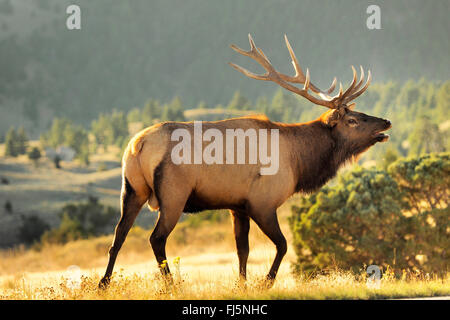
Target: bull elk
(309, 155)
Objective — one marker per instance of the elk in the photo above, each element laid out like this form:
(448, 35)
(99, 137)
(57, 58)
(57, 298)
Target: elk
(310, 154)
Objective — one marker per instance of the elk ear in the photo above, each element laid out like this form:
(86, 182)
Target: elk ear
(332, 118)
(341, 111)
(351, 106)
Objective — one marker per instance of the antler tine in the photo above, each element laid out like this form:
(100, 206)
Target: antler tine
(272, 75)
(284, 80)
(307, 81)
(264, 57)
(331, 88)
(252, 43)
(361, 80)
(300, 76)
(358, 93)
(340, 90)
(350, 89)
(298, 70)
(249, 73)
(350, 94)
(258, 57)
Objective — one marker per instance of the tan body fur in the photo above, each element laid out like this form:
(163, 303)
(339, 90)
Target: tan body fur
(222, 185)
(309, 155)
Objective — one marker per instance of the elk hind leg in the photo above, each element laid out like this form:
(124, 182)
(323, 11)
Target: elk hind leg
(241, 226)
(131, 204)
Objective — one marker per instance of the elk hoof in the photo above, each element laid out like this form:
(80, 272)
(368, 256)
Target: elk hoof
(104, 283)
(266, 284)
(241, 284)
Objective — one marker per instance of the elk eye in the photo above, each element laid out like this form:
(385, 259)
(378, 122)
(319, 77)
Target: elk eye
(352, 121)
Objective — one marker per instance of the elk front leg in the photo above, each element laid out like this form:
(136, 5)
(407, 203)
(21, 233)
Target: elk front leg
(241, 225)
(268, 223)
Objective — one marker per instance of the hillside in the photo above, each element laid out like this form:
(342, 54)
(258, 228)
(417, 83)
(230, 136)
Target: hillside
(129, 52)
(45, 190)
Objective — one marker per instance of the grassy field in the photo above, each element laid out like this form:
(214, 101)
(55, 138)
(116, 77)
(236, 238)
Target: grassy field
(211, 276)
(207, 270)
(208, 267)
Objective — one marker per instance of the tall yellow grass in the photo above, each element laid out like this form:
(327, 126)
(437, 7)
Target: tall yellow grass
(208, 269)
(212, 277)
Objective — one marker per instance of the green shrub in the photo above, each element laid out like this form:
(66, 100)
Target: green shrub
(8, 207)
(196, 219)
(33, 227)
(69, 229)
(82, 220)
(34, 155)
(369, 217)
(424, 180)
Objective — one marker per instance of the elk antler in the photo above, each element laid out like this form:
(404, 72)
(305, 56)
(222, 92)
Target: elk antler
(283, 80)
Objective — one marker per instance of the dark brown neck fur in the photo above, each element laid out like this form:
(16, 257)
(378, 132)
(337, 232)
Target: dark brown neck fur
(318, 154)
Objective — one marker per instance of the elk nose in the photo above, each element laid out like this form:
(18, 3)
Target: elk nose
(388, 123)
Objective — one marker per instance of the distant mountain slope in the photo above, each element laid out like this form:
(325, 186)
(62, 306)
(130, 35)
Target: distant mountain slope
(129, 51)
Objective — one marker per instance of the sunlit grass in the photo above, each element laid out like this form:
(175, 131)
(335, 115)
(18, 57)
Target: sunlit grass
(215, 281)
(207, 269)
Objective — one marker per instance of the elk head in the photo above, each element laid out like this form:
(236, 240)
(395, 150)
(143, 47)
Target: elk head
(352, 130)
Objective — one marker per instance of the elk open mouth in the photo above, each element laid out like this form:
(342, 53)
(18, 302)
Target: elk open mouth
(381, 137)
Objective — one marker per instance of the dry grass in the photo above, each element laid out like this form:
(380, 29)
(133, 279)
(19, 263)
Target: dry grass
(215, 279)
(208, 268)
(209, 238)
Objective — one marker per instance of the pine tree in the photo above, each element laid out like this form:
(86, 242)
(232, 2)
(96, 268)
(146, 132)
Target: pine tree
(119, 128)
(22, 141)
(262, 105)
(11, 143)
(152, 111)
(99, 129)
(176, 110)
(443, 102)
(202, 105)
(425, 137)
(239, 102)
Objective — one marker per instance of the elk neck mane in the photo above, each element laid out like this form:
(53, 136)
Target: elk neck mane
(316, 154)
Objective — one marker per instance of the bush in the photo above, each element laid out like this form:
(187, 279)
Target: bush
(33, 227)
(195, 220)
(369, 217)
(34, 155)
(424, 180)
(8, 206)
(82, 220)
(70, 229)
